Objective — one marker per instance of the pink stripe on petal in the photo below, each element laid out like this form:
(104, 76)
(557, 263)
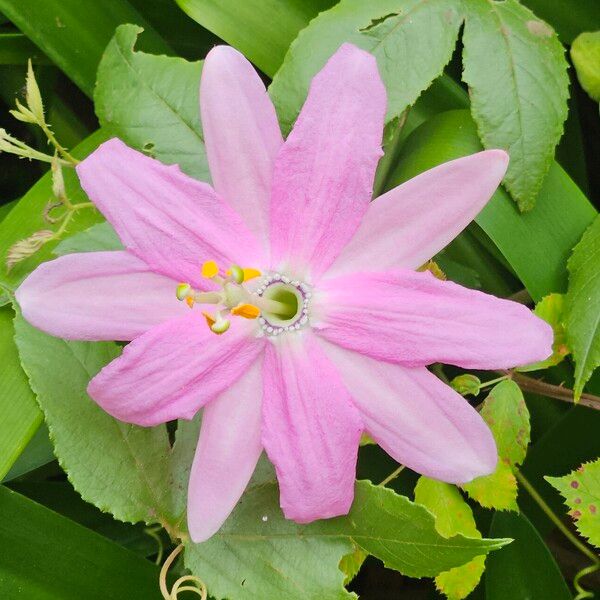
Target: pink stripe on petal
(408, 225)
(415, 319)
(228, 450)
(241, 133)
(171, 221)
(324, 172)
(175, 368)
(97, 296)
(311, 430)
(417, 419)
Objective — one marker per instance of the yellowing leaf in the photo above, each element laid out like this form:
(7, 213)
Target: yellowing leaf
(551, 308)
(581, 490)
(452, 515)
(505, 411)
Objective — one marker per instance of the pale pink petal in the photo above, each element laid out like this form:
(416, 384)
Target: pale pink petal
(172, 370)
(416, 418)
(311, 430)
(324, 172)
(228, 450)
(415, 319)
(412, 222)
(171, 221)
(97, 296)
(241, 133)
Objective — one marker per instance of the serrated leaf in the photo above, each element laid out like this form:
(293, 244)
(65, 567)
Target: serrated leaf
(351, 563)
(585, 53)
(151, 102)
(551, 308)
(97, 238)
(583, 305)
(120, 468)
(516, 71)
(505, 411)
(452, 515)
(411, 39)
(581, 490)
(258, 554)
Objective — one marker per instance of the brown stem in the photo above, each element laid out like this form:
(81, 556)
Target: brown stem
(530, 384)
(522, 296)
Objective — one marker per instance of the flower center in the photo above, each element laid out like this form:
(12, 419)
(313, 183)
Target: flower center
(280, 304)
(293, 300)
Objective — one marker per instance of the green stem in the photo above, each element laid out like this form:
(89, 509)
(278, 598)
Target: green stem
(581, 592)
(392, 476)
(493, 381)
(61, 149)
(553, 517)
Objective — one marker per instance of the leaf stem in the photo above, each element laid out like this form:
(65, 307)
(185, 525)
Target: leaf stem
(173, 594)
(530, 384)
(493, 381)
(535, 495)
(61, 149)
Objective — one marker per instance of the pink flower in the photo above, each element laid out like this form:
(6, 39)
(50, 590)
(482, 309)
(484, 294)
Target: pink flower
(347, 327)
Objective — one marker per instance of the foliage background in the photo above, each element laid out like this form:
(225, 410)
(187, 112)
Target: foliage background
(95, 85)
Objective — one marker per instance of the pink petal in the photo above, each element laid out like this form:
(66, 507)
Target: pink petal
(97, 296)
(241, 133)
(412, 222)
(172, 370)
(417, 419)
(311, 430)
(228, 450)
(415, 319)
(171, 221)
(324, 173)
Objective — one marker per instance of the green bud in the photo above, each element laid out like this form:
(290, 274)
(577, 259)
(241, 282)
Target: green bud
(466, 384)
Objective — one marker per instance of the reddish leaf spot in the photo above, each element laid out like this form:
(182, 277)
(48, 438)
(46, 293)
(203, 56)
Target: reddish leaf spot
(577, 501)
(593, 509)
(575, 514)
(574, 484)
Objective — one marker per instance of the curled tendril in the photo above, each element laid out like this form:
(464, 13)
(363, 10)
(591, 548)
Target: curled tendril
(199, 587)
(581, 592)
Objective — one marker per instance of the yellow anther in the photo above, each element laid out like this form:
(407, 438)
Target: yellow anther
(248, 311)
(251, 274)
(210, 269)
(189, 301)
(434, 269)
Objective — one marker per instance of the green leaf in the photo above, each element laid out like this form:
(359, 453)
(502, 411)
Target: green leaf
(20, 416)
(120, 468)
(551, 308)
(585, 53)
(411, 39)
(72, 38)
(581, 490)
(27, 216)
(515, 68)
(452, 515)
(259, 554)
(97, 238)
(16, 49)
(568, 18)
(536, 244)
(466, 384)
(38, 452)
(583, 305)
(505, 411)
(525, 570)
(52, 557)
(151, 102)
(351, 563)
(261, 29)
